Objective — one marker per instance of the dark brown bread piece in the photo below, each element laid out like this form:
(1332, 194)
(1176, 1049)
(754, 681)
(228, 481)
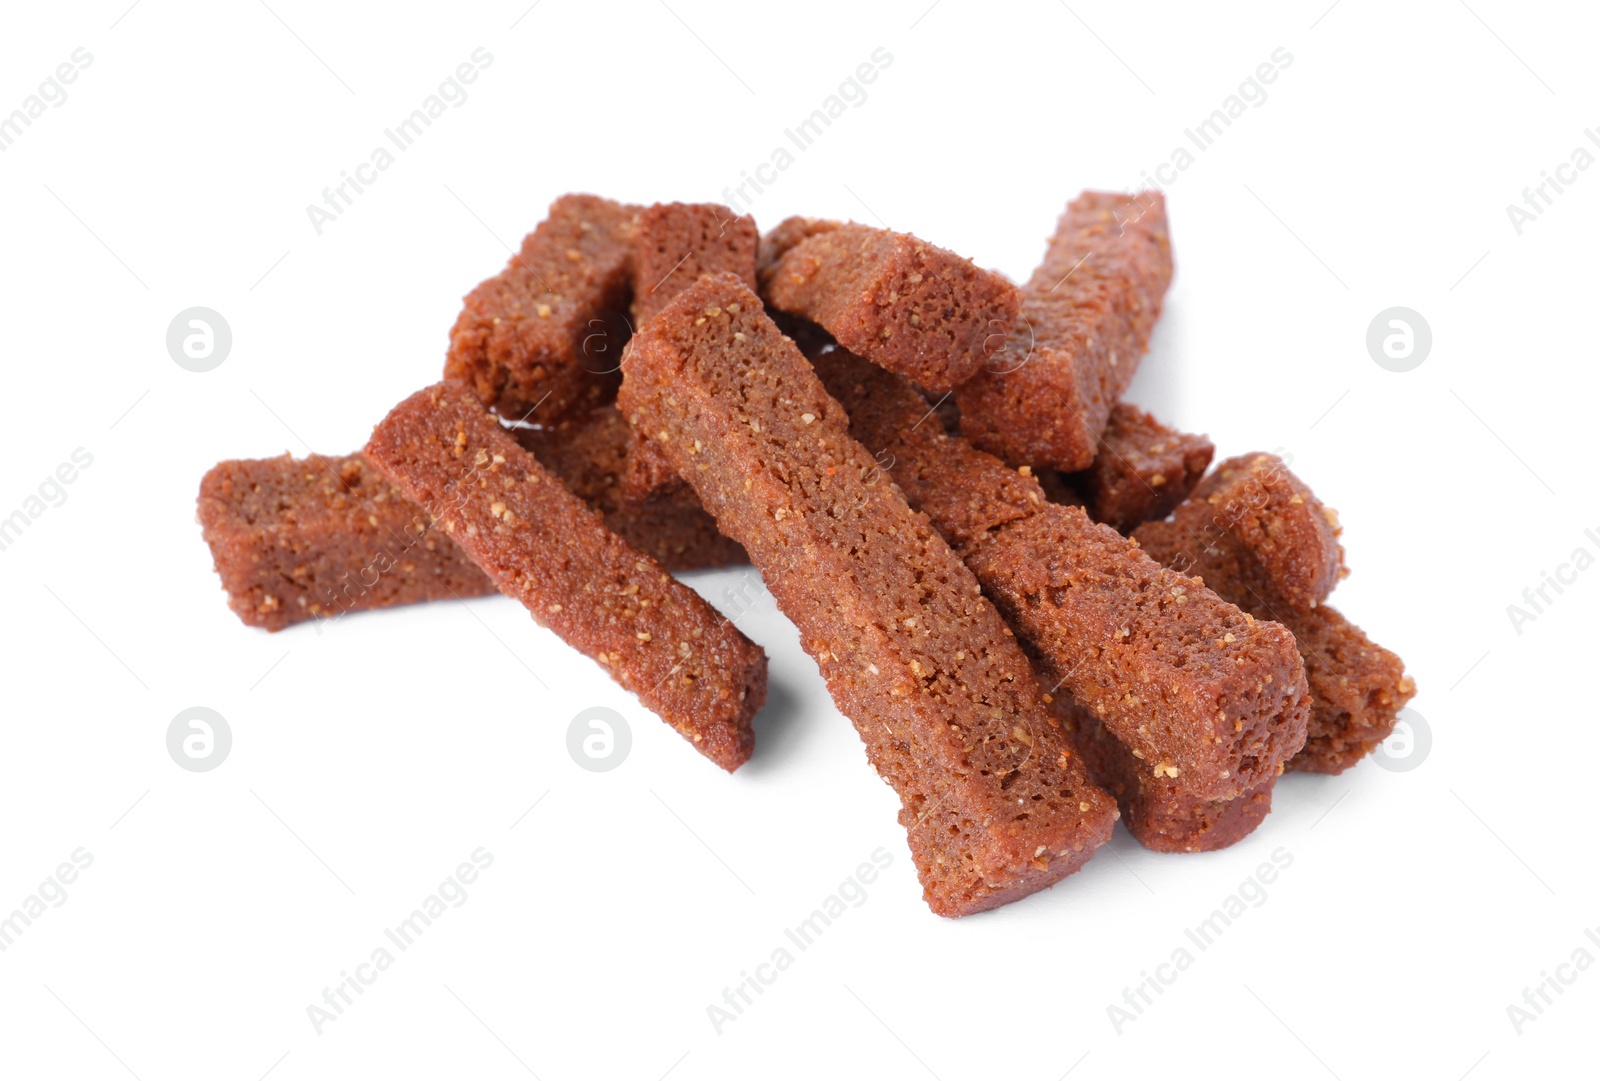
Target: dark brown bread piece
(675, 243)
(994, 801)
(1087, 313)
(591, 458)
(543, 546)
(809, 338)
(965, 492)
(313, 538)
(1275, 515)
(1156, 810)
(1197, 690)
(902, 303)
(540, 341)
(1142, 470)
(646, 474)
(1358, 688)
(785, 235)
(1187, 681)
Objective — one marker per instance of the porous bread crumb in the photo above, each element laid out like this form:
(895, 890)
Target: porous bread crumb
(572, 555)
(743, 401)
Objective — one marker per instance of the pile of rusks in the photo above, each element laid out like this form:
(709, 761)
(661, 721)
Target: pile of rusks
(1038, 609)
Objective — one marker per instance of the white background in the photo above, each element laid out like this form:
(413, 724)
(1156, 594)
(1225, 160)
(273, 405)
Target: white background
(369, 760)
